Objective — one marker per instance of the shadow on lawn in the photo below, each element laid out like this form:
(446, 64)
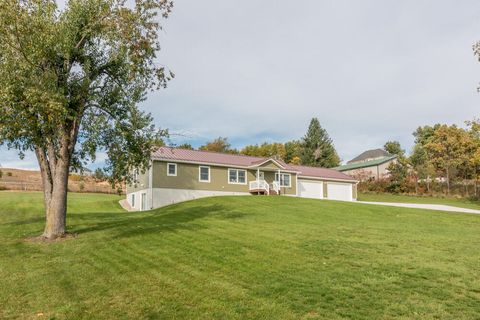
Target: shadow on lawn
(141, 223)
(24, 222)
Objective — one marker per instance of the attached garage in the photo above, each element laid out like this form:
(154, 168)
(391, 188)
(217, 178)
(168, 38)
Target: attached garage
(322, 183)
(339, 191)
(310, 189)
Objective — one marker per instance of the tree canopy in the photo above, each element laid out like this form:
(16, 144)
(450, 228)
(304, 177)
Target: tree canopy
(70, 82)
(219, 144)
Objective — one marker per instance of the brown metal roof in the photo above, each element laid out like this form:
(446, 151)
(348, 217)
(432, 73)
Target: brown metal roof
(325, 173)
(167, 153)
(207, 157)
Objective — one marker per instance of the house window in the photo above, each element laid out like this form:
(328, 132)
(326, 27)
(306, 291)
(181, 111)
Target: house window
(204, 174)
(284, 180)
(172, 169)
(135, 176)
(133, 201)
(236, 176)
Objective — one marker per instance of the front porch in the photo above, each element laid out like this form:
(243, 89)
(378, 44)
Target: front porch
(272, 178)
(263, 187)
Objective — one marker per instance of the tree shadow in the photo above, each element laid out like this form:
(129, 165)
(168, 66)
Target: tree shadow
(142, 223)
(32, 220)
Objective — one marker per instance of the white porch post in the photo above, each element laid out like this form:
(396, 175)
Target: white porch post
(279, 182)
(258, 181)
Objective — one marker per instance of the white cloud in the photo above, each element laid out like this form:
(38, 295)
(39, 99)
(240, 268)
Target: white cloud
(371, 71)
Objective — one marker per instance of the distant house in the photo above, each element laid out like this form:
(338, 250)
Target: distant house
(177, 175)
(371, 164)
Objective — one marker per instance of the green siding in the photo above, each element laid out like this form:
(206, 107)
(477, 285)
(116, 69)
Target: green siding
(188, 174)
(141, 184)
(270, 165)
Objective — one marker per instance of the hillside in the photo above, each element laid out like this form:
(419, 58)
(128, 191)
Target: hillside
(30, 180)
(238, 258)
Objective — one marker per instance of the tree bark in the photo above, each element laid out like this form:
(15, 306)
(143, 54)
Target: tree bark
(56, 211)
(54, 167)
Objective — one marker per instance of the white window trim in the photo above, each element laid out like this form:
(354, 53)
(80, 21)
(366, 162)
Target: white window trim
(168, 171)
(280, 179)
(200, 174)
(238, 170)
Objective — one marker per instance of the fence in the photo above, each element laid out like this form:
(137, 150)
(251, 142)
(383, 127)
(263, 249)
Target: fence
(72, 187)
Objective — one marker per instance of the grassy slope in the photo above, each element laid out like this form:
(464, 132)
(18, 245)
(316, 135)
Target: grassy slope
(239, 258)
(385, 197)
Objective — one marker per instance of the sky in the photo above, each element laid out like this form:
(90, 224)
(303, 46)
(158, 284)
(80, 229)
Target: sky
(370, 71)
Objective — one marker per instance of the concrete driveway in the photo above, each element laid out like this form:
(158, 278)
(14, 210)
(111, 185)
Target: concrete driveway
(438, 207)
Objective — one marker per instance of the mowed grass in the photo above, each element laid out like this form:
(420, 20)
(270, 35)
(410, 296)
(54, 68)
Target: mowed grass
(449, 201)
(239, 258)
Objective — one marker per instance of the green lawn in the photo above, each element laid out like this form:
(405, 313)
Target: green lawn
(239, 258)
(385, 197)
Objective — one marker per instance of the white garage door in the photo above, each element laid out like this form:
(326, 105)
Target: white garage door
(309, 189)
(339, 191)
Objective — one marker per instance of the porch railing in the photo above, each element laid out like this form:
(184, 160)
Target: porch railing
(259, 185)
(276, 186)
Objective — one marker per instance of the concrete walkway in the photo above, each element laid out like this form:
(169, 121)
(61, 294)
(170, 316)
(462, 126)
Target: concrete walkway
(438, 207)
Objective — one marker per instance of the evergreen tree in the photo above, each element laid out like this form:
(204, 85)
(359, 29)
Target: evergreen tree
(317, 147)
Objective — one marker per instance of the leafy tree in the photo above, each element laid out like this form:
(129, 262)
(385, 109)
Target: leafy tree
(422, 168)
(293, 151)
(273, 150)
(218, 145)
(70, 82)
(295, 160)
(449, 149)
(99, 175)
(474, 131)
(185, 146)
(393, 147)
(317, 147)
(399, 169)
(424, 134)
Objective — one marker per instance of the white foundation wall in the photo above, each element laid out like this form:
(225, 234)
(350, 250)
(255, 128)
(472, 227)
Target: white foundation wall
(138, 199)
(164, 197)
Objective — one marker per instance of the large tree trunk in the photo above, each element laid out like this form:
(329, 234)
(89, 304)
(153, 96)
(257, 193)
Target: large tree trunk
(56, 209)
(54, 167)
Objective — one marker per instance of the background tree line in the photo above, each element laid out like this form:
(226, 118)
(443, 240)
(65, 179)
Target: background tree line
(315, 148)
(445, 159)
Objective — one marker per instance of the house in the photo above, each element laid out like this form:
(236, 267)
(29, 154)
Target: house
(177, 175)
(371, 164)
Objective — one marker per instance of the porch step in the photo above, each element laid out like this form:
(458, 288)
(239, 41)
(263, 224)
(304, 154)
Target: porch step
(264, 192)
(259, 191)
